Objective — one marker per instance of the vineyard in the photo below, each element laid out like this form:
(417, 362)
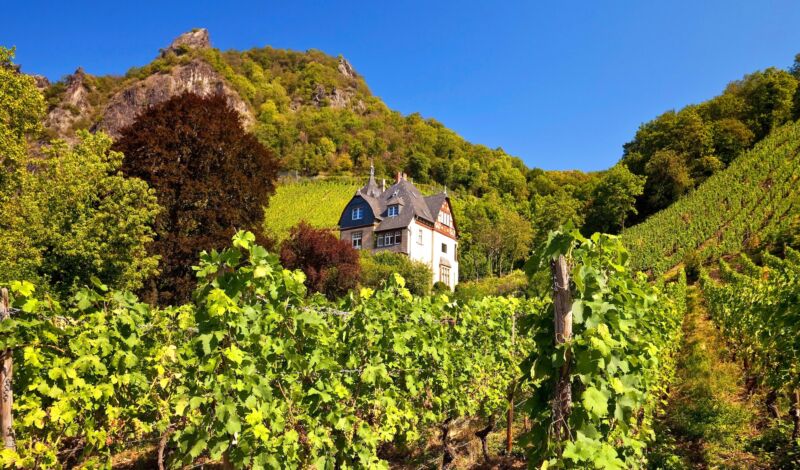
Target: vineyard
(755, 307)
(735, 209)
(257, 374)
(318, 202)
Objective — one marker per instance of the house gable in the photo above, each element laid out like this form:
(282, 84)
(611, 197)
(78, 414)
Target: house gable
(346, 220)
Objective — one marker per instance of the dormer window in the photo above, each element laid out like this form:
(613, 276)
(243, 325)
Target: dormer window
(358, 213)
(393, 210)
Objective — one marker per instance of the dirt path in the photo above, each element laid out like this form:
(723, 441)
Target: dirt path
(710, 420)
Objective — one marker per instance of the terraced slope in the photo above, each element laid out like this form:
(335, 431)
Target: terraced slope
(318, 202)
(737, 208)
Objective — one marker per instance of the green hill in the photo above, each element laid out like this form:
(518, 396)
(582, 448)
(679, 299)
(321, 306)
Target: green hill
(740, 208)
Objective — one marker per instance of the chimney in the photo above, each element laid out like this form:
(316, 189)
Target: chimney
(398, 177)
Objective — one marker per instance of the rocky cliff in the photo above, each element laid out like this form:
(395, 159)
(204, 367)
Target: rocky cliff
(188, 64)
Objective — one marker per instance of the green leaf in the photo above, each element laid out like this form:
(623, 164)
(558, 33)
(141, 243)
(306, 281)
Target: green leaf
(596, 401)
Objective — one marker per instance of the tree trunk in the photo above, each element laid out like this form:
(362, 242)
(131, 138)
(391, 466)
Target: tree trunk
(794, 398)
(483, 434)
(562, 306)
(6, 380)
(771, 404)
(447, 457)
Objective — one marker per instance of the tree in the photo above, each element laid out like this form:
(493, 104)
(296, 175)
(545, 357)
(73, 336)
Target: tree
(21, 110)
(66, 215)
(552, 211)
(613, 199)
(331, 265)
(211, 177)
(668, 179)
(86, 218)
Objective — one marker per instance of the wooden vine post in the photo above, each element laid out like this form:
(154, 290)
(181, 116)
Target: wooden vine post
(6, 371)
(562, 307)
(512, 389)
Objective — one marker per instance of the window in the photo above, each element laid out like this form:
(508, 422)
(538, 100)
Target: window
(444, 274)
(356, 239)
(393, 210)
(419, 237)
(444, 247)
(358, 213)
(445, 218)
(389, 239)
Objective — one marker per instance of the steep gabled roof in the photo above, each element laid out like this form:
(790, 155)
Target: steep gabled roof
(435, 204)
(412, 204)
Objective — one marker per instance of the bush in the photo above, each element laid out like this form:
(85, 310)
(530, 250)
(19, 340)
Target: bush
(377, 268)
(331, 265)
(440, 287)
(692, 264)
(513, 284)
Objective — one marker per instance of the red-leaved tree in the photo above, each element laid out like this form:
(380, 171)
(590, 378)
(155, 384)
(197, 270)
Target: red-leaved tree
(331, 265)
(211, 177)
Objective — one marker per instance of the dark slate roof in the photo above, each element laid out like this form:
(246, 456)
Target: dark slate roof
(373, 202)
(371, 188)
(411, 202)
(435, 204)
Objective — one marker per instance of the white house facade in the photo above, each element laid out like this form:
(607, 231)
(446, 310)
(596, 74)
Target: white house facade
(400, 219)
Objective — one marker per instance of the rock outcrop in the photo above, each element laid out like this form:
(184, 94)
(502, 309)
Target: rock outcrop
(194, 39)
(42, 83)
(110, 104)
(196, 77)
(73, 106)
(346, 69)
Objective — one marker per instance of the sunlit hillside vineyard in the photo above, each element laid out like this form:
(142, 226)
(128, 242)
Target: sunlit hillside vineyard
(318, 202)
(750, 203)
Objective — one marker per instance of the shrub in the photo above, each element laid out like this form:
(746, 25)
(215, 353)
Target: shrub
(693, 263)
(513, 284)
(331, 265)
(377, 268)
(440, 287)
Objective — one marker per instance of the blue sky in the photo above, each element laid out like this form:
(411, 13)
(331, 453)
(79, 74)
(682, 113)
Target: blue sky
(561, 85)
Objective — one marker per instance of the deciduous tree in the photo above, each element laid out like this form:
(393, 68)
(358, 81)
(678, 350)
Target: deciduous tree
(210, 175)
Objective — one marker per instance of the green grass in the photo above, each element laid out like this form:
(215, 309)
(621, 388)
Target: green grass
(710, 418)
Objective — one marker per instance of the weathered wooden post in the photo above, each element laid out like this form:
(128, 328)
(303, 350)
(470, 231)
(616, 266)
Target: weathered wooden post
(6, 371)
(562, 307)
(510, 412)
(794, 409)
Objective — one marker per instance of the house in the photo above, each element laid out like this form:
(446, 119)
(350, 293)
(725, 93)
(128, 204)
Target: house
(400, 219)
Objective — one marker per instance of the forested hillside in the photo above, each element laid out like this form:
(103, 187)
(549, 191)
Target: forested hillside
(680, 149)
